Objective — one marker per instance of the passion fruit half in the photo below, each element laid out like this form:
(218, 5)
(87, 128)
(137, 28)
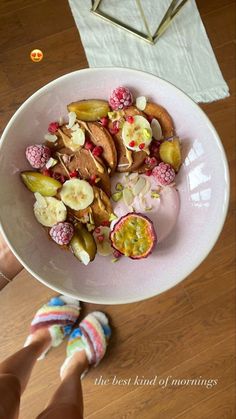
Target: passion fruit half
(134, 236)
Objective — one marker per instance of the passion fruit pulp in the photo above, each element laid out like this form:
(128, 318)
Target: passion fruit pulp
(134, 236)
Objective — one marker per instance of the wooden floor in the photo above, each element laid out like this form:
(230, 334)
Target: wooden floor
(189, 331)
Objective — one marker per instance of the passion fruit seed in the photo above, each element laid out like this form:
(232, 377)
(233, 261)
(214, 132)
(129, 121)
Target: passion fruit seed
(134, 236)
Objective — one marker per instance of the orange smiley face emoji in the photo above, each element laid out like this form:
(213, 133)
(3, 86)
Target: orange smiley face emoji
(36, 55)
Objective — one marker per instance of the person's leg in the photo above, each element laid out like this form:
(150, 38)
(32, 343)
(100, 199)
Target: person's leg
(15, 372)
(87, 345)
(67, 401)
(50, 325)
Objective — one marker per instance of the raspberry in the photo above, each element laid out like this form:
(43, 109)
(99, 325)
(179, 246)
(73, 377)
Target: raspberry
(97, 151)
(104, 121)
(38, 155)
(88, 145)
(53, 127)
(130, 119)
(132, 143)
(164, 173)
(62, 233)
(141, 146)
(120, 98)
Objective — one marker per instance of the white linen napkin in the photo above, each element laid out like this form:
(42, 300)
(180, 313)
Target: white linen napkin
(183, 55)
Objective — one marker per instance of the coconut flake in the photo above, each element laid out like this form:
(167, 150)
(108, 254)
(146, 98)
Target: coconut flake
(156, 129)
(61, 121)
(50, 137)
(133, 176)
(72, 119)
(128, 197)
(141, 103)
(75, 127)
(51, 162)
(146, 188)
(41, 201)
(139, 186)
(78, 137)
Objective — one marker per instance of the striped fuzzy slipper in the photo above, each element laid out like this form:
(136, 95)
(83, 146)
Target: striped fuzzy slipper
(92, 336)
(58, 316)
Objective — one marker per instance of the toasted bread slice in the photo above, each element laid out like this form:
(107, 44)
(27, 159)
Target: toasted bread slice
(101, 208)
(163, 117)
(100, 136)
(87, 165)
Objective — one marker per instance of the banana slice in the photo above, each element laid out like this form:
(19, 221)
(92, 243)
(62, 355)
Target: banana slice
(137, 135)
(77, 194)
(48, 210)
(102, 238)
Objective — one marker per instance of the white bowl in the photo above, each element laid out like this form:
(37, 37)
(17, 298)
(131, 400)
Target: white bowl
(203, 185)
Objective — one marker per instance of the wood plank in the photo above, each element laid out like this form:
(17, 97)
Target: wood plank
(7, 6)
(56, 61)
(159, 348)
(126, 324)
(220, 31)
(219, 406)
(12, 33)
(45, 19)
(212, 6)
(151, 402)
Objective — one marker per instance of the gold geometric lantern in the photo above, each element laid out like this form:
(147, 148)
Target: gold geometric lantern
(171, 12)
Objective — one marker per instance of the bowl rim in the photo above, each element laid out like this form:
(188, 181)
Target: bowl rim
(214, 238)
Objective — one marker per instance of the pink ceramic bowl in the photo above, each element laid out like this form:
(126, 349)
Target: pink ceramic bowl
(203, 184)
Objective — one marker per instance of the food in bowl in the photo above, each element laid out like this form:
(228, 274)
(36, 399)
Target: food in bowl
(98, 175)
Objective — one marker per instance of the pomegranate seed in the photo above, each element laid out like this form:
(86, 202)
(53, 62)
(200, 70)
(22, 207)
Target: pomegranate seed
(73, 174)
(130, 119)
(62, 179)
(150, 118)
(100, 237)
(53, 127)
(88, 145)
(148, 172)
(104, 121)
(114, 131)
(153, 161)
(105, 223)
(117, 254)
(132, 143)
(97, 151)
(115, 127)
(141, 146)
(92, 179)
(97, 230)
(46, 172)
